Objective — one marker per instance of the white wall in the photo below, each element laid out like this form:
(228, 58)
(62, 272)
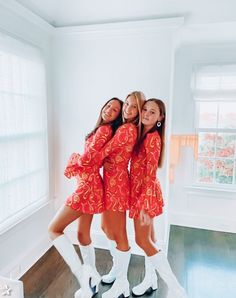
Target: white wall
(86, 66)
(24, 243)
(191, 206)
(95, 63)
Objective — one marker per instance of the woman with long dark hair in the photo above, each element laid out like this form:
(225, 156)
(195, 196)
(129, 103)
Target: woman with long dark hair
(87, 200)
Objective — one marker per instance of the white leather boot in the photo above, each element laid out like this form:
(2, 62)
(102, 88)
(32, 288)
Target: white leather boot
(160, 263)
(149, 282)
(111, 276)
(121, 284)
(83, 273)
(88, 255)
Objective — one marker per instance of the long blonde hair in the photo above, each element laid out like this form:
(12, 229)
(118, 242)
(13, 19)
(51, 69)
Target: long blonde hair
(140, 100)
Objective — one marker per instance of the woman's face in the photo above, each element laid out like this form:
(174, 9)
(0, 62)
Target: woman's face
(151, 114)
(111, 111)
(130, 108)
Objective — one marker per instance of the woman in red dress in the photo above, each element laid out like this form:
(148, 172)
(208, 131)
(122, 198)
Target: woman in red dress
(116, 155)
(146, 198)
(86, 200)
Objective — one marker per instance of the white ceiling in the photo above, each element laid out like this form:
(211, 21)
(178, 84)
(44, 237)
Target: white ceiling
(61, 13)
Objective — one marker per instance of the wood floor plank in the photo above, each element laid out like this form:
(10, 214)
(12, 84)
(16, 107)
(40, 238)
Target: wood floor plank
(203, 261)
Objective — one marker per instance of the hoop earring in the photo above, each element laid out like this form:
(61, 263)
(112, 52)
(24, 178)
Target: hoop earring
(158, 124)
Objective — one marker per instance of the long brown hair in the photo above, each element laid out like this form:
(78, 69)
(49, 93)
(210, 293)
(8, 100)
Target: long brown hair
(114, 124)
(140, 100)
(160, 129)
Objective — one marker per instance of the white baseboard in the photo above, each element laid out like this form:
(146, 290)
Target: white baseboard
(17, 268)
(202, 222)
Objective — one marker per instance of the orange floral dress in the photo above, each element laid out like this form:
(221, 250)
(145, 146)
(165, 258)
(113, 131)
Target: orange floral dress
(117, 153)
(88, 197)
(146, 191)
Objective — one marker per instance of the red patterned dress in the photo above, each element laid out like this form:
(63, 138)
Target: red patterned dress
(117, 153)
(88, 197)
(145, 188)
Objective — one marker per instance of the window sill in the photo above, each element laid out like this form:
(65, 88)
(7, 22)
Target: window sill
(24, 214)
(199, 188)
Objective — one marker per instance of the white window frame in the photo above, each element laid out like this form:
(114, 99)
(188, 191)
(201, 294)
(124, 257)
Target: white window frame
(11, 45)
(214, 185)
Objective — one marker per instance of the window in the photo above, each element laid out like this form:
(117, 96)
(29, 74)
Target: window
(23, 131)
(214, 92)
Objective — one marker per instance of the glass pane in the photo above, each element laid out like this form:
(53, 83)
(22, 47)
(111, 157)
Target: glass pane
(224, 171)
(205, 168)
(225, 145)
(227, 115)
(207, 114)
(206, 145)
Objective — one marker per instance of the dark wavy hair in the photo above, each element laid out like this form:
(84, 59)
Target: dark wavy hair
(160, 129)
(114, 124)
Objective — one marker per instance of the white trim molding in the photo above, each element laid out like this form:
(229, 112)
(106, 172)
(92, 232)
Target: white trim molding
(120, 28)
(25, 13)
(202, 222)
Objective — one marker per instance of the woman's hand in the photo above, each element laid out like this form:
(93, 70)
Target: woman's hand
(145, 219)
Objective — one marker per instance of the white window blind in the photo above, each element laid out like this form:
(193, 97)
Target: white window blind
(214, 91)
(23, 131)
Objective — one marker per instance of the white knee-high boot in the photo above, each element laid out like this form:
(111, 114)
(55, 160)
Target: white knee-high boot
(160, 263)
(149, 282)
(83, 273)
(121, 284)
(111, 276)
(88, 255)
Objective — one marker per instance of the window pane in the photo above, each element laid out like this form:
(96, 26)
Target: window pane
(227, 115)
(205, 169)
(207, 114)
(225, 145)
(23, 130)
(224, 171)
(206, 145)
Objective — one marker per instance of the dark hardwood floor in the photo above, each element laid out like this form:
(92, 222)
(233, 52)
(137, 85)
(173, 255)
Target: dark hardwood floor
(204, 262)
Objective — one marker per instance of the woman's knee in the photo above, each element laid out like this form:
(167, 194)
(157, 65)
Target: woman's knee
(54, 231)
(84, 238)
(109, 233)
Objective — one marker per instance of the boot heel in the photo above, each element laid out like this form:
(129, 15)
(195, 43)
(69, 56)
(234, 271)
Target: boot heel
(154, 285)
(126, 293)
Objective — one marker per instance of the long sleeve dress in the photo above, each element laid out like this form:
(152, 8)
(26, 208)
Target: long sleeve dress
(146, 191)
(116, 155)
(89, 196)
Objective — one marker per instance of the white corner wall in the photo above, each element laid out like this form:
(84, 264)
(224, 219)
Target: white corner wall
(95, 63)
(23, 244)
(188, 205)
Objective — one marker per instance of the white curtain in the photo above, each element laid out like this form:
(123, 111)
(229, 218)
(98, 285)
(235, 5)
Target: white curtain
(23, 130)
(214, 82)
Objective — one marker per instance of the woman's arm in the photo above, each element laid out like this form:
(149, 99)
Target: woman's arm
(102, 135)
(152, 149)
(125, 136)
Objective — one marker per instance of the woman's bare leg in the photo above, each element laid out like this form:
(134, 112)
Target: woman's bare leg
(84, 227)
(143, 237)
(114, 226)
(153, 236)
(61, 220)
